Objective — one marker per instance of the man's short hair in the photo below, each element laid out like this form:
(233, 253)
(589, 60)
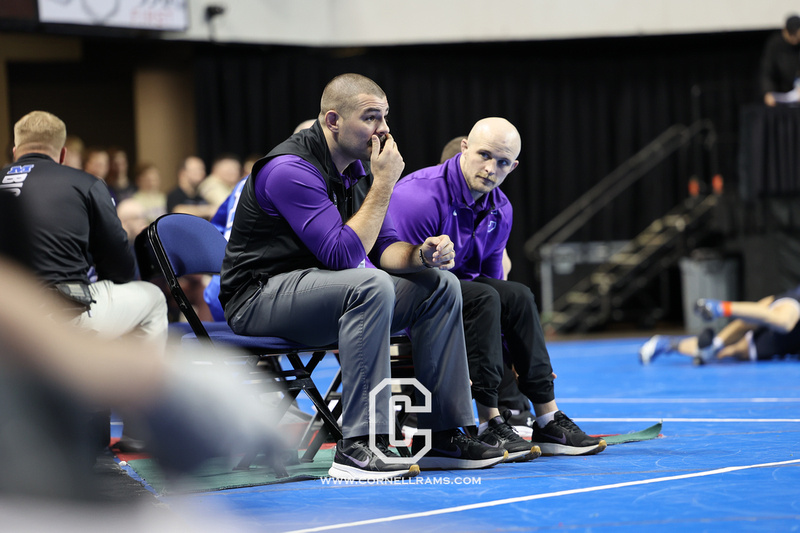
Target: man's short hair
(40, 130)
(185, 161)
(452, 147)
(341, 92)
(793, 24)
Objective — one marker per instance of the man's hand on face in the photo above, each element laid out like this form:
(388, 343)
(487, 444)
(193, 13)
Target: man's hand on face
(387, 163)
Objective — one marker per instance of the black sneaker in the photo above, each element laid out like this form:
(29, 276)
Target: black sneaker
(500, 434)
(357, 461)
(453, 450)
(561, 436)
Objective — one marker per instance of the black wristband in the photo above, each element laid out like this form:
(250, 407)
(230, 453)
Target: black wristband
(422, 258)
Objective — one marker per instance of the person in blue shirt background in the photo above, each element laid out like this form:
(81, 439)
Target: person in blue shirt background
(223, 221)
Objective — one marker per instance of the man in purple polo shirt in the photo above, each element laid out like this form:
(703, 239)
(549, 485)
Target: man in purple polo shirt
(310, 224)
(460, 198)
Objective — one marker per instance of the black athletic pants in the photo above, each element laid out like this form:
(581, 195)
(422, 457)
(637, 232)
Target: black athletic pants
(492, 307)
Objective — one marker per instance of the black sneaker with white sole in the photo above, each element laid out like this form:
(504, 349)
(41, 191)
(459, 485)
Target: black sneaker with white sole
(355, 460)
(453, 450)
(561, 436)
(500, 434)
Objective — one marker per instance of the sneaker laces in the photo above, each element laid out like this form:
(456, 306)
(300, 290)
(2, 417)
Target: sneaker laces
(505, 431)
(457, 437)
(382, 443)
(566, 422)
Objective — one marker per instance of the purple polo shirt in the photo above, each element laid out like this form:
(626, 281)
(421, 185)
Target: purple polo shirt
(292, 188)
(436, 201)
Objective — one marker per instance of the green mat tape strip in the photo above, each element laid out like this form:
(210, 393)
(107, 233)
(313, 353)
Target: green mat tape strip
(218, 474)
(646, 434)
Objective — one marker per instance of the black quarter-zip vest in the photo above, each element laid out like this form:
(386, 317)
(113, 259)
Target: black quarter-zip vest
(261, 245)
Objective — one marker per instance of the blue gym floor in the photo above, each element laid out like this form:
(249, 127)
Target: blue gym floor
(728, 460)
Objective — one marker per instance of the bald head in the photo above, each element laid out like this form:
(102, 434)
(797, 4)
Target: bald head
(41, 132)
(341, 94)
(497, 131)
(489, 154)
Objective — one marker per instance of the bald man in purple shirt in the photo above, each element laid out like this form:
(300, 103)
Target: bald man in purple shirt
(460, 198)
(309, 231)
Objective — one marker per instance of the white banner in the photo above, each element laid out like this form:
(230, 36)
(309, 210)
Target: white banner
(168, 15)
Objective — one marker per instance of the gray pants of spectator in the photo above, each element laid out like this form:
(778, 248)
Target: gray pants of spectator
(359, 309)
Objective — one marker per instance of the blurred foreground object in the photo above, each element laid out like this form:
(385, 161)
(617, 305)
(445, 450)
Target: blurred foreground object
(53, 375)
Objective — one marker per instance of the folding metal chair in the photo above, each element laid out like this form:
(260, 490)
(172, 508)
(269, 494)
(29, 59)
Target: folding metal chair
(181, 244)
(402, 367)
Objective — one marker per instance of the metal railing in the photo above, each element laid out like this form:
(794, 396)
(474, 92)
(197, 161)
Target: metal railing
(578, 214)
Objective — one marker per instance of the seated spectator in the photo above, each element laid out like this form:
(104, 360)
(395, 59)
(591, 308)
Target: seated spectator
(509, 397)
(74, 157)
(247, 166)
(185, 198)
(148, 191)
(223, 221)
(291, 270)
(761, 330)
(450, 149)
(133, 217)
(121, 185)
(74, 226)
(74, 229)
(496, 311)
(96, 162)
(226, 171)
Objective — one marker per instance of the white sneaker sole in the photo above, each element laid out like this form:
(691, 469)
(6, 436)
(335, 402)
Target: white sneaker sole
(452, 463)
(550, 449)
(340, 471)
(528, 454)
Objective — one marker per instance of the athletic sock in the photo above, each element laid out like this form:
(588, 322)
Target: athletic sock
(545, 419)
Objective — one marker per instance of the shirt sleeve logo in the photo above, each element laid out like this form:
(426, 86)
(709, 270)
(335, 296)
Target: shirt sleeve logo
(15, 179)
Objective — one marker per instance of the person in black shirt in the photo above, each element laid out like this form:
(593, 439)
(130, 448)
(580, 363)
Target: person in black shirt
(780, 65)
(75, 235)
(185, 198)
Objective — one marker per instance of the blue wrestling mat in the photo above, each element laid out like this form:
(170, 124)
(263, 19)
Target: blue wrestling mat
(727, 460)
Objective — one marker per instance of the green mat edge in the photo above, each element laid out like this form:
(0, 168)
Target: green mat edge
(637, 436)
(152, 475)
(149, 471)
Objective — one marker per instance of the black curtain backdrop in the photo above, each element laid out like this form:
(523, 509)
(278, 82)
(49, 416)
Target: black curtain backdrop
(582, 108)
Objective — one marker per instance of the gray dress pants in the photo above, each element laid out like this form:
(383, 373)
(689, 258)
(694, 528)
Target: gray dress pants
(359, 309)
